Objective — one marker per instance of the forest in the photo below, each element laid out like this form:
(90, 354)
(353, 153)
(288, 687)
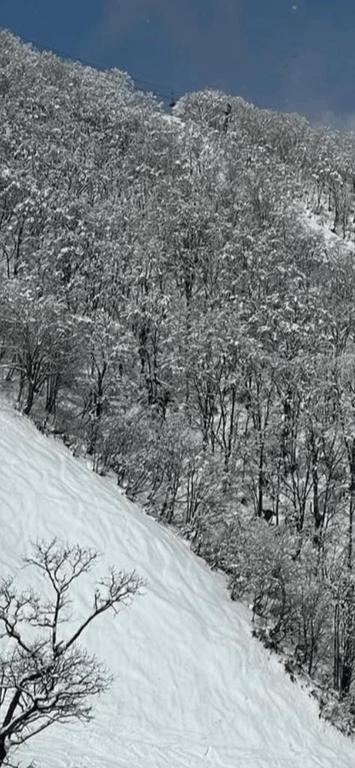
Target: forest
(177, 302)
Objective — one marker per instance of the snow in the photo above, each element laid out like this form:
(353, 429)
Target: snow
(192, 688)
(173, 119)
(322, 228)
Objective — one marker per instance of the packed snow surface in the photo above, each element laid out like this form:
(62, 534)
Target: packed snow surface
(192, 688)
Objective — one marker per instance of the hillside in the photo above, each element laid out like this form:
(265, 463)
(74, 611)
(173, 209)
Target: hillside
(192, 688)
(177, 304)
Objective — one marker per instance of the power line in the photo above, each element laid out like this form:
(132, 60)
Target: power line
(164, 91)
(159, 86)
(170, 97)
(147, 86)
(157, 90)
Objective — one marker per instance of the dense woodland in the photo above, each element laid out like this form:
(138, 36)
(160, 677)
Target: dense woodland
(168, 309)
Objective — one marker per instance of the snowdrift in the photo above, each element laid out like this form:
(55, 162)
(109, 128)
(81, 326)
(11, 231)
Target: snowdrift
(192, 688)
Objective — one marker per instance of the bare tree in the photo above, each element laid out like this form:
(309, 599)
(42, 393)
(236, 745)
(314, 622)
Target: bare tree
(45, 675)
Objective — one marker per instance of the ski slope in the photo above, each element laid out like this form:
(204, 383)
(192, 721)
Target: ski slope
(192, 688)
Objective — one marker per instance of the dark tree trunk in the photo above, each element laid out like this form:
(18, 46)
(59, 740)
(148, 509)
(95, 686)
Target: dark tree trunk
(52, 388)
(2, 752)
(347, 664)
(317, 514)
(346, 678)
(336, 649)
(261, 481)
(351, 505)
(30, 397)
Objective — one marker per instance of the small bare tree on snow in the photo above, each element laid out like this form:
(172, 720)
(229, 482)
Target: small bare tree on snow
(45, 675)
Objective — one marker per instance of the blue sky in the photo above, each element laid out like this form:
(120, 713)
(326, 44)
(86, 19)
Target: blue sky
(295, 55)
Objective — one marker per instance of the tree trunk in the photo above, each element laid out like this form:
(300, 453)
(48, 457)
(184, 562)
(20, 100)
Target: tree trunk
(348, 655)
(52, 388)
(261, 480)
(351, 505)
(336, 649)
(318, 516)
(30, 397)
(2, 752)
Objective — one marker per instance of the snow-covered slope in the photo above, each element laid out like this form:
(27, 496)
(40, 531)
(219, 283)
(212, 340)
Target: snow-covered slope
(320, 226)
(192, 688)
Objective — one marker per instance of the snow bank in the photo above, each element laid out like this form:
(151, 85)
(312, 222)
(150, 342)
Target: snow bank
(192, 688)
